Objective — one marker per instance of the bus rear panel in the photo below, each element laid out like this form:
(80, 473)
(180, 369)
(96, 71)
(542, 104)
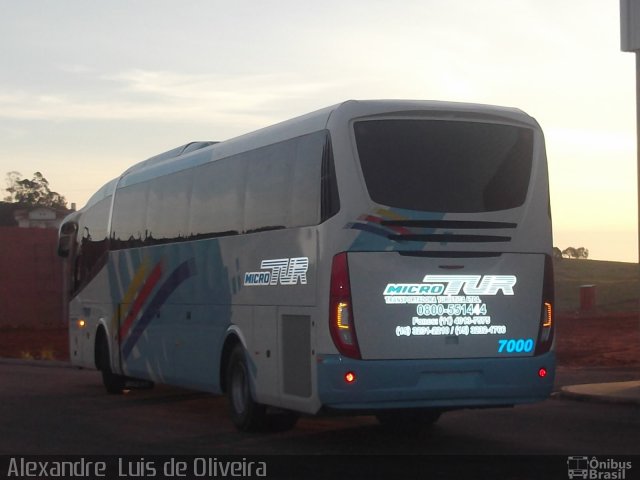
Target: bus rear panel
(450, 277)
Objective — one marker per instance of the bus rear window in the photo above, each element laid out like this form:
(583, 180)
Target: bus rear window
(445, 166)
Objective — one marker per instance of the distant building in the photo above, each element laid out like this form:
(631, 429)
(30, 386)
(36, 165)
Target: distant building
(32, 285)
(29, 216)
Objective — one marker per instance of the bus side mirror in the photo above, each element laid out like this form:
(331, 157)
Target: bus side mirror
(66, 239)
(64, 246)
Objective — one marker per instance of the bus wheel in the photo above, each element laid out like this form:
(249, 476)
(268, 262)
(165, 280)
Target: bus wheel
(113, 383)
(247, 415)
(408, 420)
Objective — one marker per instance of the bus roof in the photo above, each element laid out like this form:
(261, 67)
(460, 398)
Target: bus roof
(197, 153)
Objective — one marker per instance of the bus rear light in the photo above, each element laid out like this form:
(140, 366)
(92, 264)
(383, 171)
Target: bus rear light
(341, 324)
(342, 315)
(548, 321)
(546, 330)
(349, 377)
(542, 372)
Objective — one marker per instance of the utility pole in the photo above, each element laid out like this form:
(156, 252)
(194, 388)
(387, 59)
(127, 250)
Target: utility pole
(630, 42)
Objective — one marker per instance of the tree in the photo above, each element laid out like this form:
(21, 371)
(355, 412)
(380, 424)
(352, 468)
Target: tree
(32, 192)
(571, 252)
(582, 252)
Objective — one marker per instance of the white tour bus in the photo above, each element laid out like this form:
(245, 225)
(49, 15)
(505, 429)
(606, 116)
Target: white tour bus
(382, 257)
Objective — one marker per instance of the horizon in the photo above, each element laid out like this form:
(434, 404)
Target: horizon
(90, 89)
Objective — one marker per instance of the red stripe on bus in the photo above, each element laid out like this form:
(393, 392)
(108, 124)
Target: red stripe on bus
(140, 300)
(378, 220)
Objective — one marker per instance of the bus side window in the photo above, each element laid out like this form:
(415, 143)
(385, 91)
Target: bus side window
(307, 180)
(216, 202)
(77, 278)
(91, 242)
(67, 239)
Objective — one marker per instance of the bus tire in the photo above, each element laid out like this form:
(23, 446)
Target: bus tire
(246, 414)
(113, 383)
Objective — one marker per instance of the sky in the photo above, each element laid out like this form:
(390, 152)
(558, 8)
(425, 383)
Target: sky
(88, 88)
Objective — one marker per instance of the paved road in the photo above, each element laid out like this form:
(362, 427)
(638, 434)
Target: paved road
(60, 410)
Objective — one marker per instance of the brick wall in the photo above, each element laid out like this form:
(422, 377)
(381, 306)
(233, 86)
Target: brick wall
(31, 278)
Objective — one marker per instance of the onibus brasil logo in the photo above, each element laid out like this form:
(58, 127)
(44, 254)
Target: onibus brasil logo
(594, 468)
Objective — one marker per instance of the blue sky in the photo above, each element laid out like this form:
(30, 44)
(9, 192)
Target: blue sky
(88, 88)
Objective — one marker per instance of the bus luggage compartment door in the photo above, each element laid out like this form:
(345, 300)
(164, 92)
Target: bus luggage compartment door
(415, 306)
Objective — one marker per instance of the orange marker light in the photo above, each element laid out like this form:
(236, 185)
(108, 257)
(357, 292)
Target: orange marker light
(81, 323)
(342, 315)
(349, 377)
(548, 317)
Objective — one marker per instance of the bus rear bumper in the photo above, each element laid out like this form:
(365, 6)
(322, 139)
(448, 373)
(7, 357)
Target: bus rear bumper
(438, 383)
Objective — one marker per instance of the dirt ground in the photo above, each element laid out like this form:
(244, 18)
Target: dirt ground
(609, 340)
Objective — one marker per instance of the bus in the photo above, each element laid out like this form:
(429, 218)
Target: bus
(390, 258)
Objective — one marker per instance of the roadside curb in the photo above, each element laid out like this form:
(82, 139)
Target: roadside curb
(35, 363)
(620, 393)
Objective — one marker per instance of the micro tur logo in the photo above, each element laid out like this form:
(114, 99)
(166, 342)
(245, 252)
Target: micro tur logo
(454, 284)
(285, 271)
(593, 468)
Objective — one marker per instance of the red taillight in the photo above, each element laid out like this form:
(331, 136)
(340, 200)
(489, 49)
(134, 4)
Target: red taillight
(545, 335)
(341, 324)
(349, 377)
(542, 372)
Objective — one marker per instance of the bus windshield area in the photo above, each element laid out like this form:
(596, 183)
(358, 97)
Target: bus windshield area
(445, 166)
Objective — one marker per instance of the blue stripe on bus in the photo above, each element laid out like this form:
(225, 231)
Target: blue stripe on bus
(179, 275)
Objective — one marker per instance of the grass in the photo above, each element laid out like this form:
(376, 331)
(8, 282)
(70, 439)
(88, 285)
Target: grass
(617, 284)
